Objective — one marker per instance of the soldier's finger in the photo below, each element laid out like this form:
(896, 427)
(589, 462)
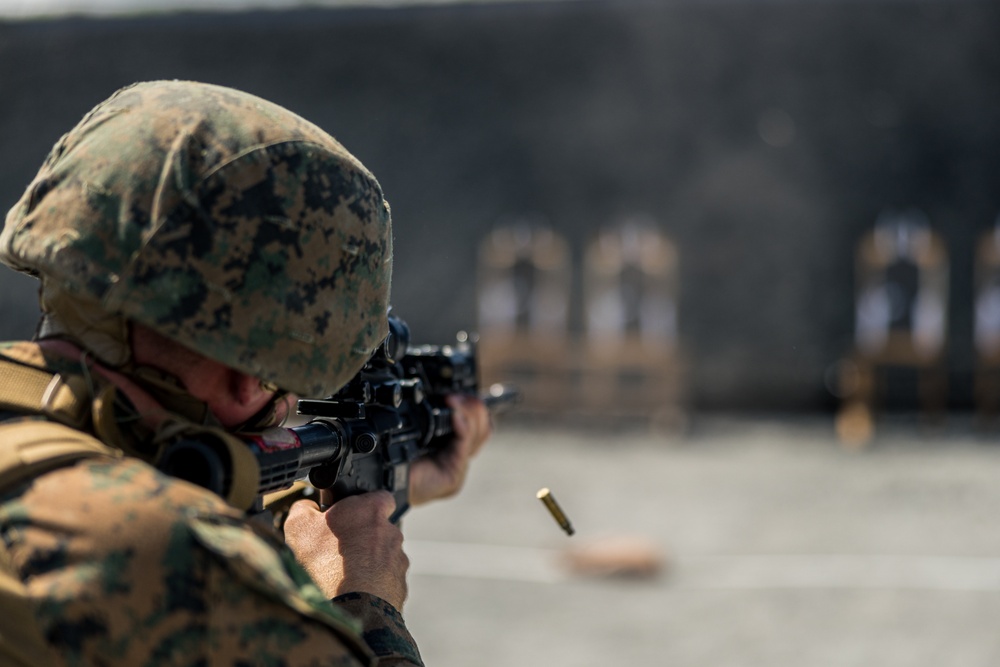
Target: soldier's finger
(478, 422)
(385, 503)
(366, 506)
(459, 416)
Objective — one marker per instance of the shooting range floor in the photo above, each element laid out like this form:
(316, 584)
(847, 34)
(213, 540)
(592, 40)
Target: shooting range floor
(779, 548)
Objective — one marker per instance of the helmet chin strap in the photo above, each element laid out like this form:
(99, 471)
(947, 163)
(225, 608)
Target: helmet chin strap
(86, 323)
(107, 339)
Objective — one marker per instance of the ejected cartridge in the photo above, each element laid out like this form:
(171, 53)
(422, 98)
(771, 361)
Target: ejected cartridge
(550, 502)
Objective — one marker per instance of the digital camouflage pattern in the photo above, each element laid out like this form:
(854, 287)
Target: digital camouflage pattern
(238, 229)
(143, 569)
(127, 566)
(222, 221)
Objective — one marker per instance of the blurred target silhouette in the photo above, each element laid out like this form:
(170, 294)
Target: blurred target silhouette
(524, 279)
(901, 325)
(631, 347)
(986, 302)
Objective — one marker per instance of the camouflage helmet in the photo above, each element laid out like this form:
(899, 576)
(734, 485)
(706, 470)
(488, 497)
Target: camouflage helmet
(220, 220)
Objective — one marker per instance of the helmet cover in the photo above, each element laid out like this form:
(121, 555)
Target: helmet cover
(223, 222)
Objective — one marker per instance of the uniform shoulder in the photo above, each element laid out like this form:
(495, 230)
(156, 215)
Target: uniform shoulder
(123, 558)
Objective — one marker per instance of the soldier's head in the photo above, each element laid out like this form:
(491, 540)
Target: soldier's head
(220, 221)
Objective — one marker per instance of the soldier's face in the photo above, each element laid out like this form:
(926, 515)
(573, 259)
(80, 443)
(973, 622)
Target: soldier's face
(234, 397)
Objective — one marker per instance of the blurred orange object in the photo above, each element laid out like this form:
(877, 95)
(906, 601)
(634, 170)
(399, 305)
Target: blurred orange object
(622, 556)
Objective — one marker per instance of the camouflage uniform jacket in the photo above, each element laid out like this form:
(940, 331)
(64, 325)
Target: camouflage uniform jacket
(126, 566)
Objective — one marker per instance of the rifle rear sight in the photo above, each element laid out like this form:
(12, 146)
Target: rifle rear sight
(398, 374)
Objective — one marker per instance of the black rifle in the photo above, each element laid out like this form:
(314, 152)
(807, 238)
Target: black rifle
(364, 437)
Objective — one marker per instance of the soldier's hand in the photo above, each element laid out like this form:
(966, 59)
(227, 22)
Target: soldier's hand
(443, 474)
(351, 547)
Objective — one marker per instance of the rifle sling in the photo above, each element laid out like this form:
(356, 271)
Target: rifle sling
(26, 389)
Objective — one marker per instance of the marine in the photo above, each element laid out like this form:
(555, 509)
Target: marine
(205, 257)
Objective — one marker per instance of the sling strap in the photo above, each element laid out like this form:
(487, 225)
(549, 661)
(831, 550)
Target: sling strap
(31, 447)
(37, 391)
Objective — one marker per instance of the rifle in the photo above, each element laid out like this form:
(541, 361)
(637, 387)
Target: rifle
(364, 437)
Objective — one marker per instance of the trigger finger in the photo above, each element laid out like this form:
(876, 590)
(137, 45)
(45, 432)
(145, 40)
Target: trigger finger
(459, 415)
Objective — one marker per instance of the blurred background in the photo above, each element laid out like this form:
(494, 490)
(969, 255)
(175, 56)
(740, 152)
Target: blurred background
(742, 257)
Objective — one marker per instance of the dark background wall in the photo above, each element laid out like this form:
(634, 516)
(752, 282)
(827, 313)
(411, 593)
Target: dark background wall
(764, 137)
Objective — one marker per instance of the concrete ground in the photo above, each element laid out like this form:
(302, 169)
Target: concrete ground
(781, 548)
